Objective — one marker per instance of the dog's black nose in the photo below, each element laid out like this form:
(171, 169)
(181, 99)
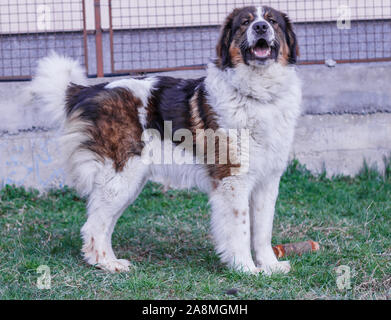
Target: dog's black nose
(260, 27)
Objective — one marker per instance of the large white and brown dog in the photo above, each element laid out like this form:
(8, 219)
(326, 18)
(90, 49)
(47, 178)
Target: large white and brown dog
(251, 85)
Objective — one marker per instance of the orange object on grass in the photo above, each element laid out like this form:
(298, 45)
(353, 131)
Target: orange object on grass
(282, 250)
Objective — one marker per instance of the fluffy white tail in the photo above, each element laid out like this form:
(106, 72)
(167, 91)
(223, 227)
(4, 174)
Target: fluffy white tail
(53, 75)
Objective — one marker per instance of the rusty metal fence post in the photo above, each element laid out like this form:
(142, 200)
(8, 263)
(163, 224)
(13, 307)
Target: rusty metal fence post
(98, 40)
(85, 42)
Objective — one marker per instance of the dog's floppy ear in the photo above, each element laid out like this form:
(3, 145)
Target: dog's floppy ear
(222, 49)
(291, 40)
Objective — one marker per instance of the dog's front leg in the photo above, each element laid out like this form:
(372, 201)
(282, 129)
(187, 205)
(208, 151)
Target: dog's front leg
(230, 223)
(262, 205)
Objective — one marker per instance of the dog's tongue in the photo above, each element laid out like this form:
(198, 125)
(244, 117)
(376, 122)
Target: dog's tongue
(262, 52)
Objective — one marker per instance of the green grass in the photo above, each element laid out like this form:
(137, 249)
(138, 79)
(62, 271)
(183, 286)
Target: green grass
(166, 238)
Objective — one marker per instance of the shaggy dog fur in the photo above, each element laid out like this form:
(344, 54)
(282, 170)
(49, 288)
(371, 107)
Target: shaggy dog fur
(252, 85)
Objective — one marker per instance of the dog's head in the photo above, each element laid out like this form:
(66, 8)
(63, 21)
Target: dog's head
(256, 36)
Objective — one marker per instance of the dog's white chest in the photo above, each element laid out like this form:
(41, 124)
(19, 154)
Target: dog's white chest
(267, 107)
(271, 135)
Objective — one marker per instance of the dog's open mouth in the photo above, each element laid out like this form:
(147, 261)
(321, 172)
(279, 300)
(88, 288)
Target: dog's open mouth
(261, 50)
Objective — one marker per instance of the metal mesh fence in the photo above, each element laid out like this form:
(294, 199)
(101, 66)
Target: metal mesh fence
(154, 35)
(157, 35)
(29, 30)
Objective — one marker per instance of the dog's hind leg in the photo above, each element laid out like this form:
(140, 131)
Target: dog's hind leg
(112, 193)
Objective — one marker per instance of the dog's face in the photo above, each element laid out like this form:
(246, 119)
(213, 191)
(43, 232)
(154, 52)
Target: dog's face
(256, 36)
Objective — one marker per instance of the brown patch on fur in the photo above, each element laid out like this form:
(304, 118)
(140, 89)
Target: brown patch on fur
(222, 170)
(294, 46)
(88, 247)
(214, 184)
(284, 52)
(244, 221)
(283, 56)
(267, 14)
(203, 117)
(196, 122)
(236, 55)
(208, 115)
(116, 131)
(236, 212)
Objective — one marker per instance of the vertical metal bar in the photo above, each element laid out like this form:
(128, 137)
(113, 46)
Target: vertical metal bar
(98, 40)
(85, 37)
(111, 38)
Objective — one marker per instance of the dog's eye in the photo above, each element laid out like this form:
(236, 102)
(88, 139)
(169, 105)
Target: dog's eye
(273, 21)
(245, 23)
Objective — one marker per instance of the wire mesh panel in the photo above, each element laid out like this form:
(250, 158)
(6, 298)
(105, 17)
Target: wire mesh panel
(152, 35)
(346, 31)
(29, 30)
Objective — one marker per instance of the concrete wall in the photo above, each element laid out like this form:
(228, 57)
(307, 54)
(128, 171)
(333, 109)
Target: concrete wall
(346, 120)
(341, 143)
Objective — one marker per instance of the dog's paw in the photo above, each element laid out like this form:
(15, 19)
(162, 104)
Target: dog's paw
(248, 268)
(105, 262)
(277, 267)
(115, 265)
